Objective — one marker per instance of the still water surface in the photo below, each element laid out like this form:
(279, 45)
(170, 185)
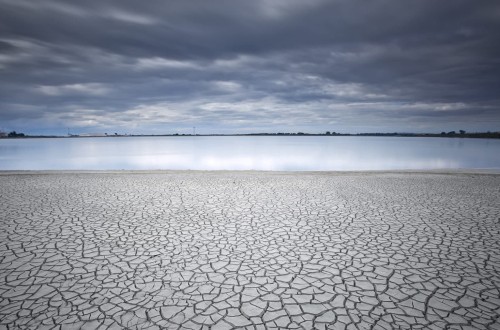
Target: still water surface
(284, 153)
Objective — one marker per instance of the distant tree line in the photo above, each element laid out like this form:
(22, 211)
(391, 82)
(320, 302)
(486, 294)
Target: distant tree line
(460, 134)
(453, 134)
(15, 134)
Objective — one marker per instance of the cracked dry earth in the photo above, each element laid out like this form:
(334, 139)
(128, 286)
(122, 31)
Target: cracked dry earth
(220, 250)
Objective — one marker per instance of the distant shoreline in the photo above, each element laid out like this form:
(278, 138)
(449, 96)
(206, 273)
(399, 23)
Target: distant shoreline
(481, 135)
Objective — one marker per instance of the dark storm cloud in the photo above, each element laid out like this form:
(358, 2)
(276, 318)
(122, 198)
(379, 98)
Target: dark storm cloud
(249, 65)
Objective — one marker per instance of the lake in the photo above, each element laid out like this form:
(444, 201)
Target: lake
(280, 153)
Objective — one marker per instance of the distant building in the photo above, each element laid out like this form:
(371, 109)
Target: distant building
(2, 134)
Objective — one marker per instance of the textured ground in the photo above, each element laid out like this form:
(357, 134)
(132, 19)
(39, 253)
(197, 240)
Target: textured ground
(226, 249)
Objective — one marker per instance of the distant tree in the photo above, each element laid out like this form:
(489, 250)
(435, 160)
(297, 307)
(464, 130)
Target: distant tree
(327, 133)
(15, 134)
(462, 132)
(443, 133)
(452, 133)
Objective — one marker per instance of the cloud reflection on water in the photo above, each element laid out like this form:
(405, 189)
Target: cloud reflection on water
(249, 153)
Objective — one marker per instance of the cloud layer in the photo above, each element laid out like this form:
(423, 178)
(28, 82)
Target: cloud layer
(249, 66)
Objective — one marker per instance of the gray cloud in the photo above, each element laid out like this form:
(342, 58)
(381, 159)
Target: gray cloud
(232, 66)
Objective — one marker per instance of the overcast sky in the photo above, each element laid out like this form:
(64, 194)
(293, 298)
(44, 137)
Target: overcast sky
(234, 66)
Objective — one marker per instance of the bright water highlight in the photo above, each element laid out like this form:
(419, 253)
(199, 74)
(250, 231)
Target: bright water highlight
(277, 153)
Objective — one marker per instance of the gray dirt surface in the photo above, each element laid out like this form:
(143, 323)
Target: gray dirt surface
(193, 250)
